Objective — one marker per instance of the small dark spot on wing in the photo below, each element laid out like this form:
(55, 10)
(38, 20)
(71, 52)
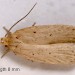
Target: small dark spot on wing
(73, 38)
(16, 37)
(71, 61)
(72, 51)
(34, 32)
(49, 52)
(73, 29)
(50, 34)
(6, 46)
(50, 43)
(32, 54)
(16, 46)
(54, 56)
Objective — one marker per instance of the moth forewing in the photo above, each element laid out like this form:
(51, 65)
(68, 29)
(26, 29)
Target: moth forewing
(46, 34)
(62, 53)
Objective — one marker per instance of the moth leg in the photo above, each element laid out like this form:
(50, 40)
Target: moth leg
(34, 24)
(5, 29)
(8, 32)
(6, 51)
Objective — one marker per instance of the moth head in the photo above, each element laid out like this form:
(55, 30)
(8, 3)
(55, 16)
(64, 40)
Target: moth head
(4, 41)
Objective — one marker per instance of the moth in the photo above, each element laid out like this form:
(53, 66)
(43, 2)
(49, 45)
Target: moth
(52, 44)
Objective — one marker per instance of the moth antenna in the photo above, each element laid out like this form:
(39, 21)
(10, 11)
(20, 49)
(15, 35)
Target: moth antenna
(6, 51)
(23, 17)
(34, 24)
(8, 32)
